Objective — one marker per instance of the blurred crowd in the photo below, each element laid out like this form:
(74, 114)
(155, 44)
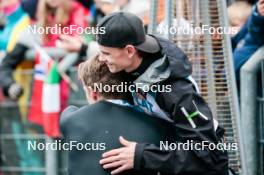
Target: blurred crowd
(18, 17)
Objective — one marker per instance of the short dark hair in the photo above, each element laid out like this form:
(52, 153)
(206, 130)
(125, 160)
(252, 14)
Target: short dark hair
(143, 54)
(93, 72)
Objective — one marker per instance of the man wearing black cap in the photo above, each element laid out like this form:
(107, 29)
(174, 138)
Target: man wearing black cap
(152, 61)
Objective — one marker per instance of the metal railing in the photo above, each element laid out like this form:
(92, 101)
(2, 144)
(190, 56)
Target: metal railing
(251, 90)
(260, 101)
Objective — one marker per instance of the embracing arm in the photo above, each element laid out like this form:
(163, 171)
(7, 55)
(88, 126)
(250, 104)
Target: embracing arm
(183, 102)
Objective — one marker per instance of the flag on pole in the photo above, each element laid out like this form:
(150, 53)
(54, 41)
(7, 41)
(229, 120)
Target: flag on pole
(51, 105)
(49, 94)
(41, 68)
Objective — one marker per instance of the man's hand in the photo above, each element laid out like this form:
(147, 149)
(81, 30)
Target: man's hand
(260, 6)
(120, 159)
(15, 91)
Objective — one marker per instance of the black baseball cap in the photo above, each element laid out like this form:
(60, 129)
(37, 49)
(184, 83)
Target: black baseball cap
(123, 28)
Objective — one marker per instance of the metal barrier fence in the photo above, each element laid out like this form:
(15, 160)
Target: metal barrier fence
(260, 100)
(251, 92)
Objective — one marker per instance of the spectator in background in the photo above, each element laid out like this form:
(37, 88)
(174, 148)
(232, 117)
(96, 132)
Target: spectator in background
(77, 44)
(249, 38)
(102, 8)
(30, 6)
(252, 1)
(64, 12)
(49, 13)
(86, 3)
(139, 8)
(14, 21)
(238, 13)
(58, 14)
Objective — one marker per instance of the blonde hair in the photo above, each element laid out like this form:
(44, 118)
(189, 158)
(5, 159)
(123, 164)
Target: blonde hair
(239, 11)
(61, 15)
(93, 72)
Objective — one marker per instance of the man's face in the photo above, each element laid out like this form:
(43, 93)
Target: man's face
(117, 59)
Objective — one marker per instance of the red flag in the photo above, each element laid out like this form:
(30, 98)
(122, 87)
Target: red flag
(51, 121)
(36, 115)
(35, 112)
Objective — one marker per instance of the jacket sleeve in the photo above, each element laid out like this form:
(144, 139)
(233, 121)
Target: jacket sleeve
(183, 102)
(8, 65)
(256, 28)
(240, 35)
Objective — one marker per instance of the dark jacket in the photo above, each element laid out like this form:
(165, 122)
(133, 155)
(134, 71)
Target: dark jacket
(26, 40)
(8, 65)
(104, 122)
(248, 40)
(30, 6)
(174, 69)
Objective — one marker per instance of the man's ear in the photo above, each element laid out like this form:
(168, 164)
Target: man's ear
(131, 50)
(92, 94)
